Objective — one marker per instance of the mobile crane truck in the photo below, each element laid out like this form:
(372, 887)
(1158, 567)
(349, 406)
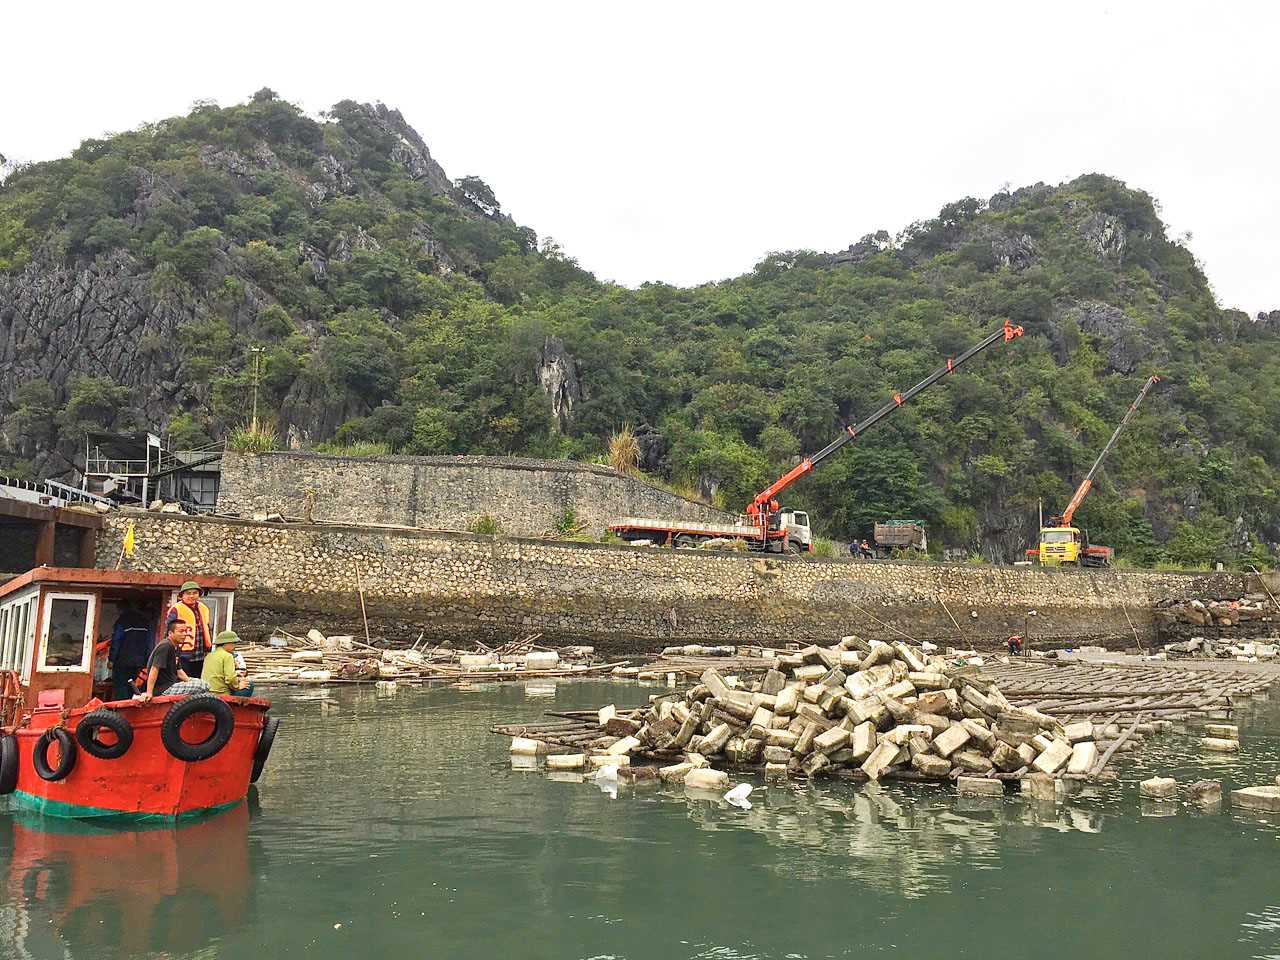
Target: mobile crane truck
(1061, 542)
(765, 527)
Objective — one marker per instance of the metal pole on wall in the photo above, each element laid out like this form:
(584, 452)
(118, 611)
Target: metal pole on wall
(257, 354)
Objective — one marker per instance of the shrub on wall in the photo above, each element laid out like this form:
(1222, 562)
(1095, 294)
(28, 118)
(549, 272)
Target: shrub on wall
(486, 525)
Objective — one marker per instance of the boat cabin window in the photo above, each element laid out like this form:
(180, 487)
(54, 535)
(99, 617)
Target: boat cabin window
(17, 633)
(219, 603)
(66, 640)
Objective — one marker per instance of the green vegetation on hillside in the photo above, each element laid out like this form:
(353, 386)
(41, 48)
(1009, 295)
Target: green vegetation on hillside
(421, 333)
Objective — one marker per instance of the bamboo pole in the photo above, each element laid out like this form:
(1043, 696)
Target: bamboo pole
(1106, 757)
(364, 615)
(888, 626)
(952, 618)
(1264, 586)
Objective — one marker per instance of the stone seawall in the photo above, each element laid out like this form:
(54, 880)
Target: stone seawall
(526, 497)
(457, 585)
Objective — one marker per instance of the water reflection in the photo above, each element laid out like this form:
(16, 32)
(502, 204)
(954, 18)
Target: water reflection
(398, 826)
(907, 840)
(76, 889)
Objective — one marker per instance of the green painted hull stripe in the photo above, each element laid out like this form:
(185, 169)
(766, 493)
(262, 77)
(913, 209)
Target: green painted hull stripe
(60, 808)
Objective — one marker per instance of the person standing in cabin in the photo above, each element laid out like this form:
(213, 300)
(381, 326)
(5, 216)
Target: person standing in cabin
(130, 648)
(220, 671)
(190, 610)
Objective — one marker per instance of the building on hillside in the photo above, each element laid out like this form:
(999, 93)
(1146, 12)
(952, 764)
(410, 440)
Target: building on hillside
(140, 468)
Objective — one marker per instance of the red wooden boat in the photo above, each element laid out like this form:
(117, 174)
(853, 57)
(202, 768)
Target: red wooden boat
(66, 751)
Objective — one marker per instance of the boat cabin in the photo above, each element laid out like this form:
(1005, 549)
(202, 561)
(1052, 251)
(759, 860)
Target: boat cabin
(56, 625)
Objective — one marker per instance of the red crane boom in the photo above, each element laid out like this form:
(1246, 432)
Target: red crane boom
(765, 503)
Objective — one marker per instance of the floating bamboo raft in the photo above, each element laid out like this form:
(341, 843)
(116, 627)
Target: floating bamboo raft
(1117, 698)
(578, 731)
(1087, 690)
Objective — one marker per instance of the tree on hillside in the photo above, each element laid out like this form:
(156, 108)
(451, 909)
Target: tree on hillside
(397, 309)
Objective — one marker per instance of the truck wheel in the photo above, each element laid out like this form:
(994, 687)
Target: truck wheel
(795, 548)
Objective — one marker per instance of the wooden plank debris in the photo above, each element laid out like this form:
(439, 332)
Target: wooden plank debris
(286, 659)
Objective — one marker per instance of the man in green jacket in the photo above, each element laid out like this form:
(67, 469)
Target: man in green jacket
(220, 668)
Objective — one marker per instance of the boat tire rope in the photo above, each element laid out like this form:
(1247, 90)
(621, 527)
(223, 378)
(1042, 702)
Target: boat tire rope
(269, 727)
(87, 734)
(40, 756)
(8, 764)
(224, 722)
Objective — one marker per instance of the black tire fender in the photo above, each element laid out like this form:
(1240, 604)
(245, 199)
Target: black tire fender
(224, 723)
(268, 736)
(8, 764)
(87, 734)
(40, 756)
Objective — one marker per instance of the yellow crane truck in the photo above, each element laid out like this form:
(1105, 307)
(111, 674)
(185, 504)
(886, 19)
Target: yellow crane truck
(1061, 542)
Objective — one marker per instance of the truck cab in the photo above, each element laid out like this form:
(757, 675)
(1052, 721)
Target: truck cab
(796, 525)
(1059, 545)
(1070, 545)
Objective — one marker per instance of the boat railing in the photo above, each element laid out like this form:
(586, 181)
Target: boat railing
(11, 699)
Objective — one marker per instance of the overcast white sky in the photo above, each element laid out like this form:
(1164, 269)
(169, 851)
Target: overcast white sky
(683, 141)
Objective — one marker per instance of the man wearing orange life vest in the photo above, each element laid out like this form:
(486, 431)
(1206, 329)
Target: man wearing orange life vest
(199, 640)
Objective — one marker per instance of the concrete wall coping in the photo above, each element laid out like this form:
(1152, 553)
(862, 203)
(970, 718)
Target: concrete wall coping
(493, 463)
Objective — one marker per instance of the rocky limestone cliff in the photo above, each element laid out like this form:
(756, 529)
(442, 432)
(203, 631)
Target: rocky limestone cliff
(100, 319)
(117, 315)
(560, 376)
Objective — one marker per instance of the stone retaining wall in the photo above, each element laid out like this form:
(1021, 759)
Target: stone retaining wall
(457, 585)
(526, 497)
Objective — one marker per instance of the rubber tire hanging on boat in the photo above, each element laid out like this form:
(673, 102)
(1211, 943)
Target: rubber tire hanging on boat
(268, 736)
(40, 756)
(224, 722)
(8, 764)
(87, 731)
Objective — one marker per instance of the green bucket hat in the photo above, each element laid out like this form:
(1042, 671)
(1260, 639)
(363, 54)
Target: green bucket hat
(190, 585)
(226, 636)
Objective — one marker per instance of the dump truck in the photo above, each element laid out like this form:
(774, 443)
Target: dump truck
(765, 527)
(900, 535)
(1061, 542)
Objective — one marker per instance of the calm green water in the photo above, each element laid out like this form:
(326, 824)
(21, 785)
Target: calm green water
(395, 827)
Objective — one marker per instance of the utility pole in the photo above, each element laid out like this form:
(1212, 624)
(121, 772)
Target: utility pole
(257, 354)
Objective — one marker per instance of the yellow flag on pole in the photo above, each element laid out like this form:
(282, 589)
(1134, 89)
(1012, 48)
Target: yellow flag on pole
(128, 540)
